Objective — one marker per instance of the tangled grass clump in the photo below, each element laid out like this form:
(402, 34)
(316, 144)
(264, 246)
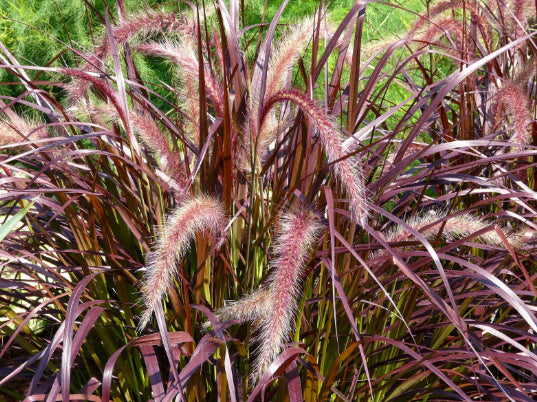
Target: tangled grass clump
(296, 232)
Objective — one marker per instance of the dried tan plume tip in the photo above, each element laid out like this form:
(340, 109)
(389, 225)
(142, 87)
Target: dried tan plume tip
(196, 215)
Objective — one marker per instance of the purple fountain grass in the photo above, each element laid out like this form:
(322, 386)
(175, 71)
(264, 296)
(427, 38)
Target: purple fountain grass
(298, 232)
(20, 130)
(514, 101)
(187, 60)
(138, 25)
(346, 166)
(273, 307)
(195, 215)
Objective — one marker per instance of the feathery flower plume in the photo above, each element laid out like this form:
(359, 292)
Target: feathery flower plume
(298, 232)
(283, 60)
(20, 130)
(347, 168)
(153, 138)
(279, 77)
(453, 227)
(149, 132)
(139, 25)
(273, 307)
(476, 12)
(281, 63)
(191, 107)
(195, 215)
(106, 89)
(410, 149)
(515, 102)
(187, 60)
(443, 27)
(254, 307)
(517, 21)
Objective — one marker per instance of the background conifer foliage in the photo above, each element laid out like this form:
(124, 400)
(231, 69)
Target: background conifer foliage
(197, 208)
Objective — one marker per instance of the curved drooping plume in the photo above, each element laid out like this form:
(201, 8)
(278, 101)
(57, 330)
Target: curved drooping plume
(452, 227)
(196, 215)
(345, 166)
(151, 135)
(135, 26)
(186, 58)
(273, 307)
(515, 102)
(280, 68)
(298, 232)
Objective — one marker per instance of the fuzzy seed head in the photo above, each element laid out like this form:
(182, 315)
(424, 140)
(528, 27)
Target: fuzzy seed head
(21, 130)
(196, 215)
(347, 168)
(254, 307)
(515, 102)
(454, 227)
(297, 235)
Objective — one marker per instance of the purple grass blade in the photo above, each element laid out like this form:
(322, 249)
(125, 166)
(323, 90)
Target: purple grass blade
(293, 383)
(29, 316)
(357, 9)
(153, 371)
(80, 337)
(90, 386)
(204, 350)
(277, 366)
(227, 361)
(420, 358)
(46, 354)
(72, 398)
(161, 322)
(337, 284)
(107, 374)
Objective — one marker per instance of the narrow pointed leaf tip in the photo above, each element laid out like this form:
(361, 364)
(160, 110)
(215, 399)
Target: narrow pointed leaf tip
(198, 214)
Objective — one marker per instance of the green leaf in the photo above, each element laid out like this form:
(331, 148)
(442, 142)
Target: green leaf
(10, 224)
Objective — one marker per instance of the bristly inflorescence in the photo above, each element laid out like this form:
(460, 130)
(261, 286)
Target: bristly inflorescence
(273, 307)
(198, 214)
(344, 163)
(435, 223)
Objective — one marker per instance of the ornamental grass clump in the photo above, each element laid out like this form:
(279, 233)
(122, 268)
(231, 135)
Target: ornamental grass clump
(210, 202)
